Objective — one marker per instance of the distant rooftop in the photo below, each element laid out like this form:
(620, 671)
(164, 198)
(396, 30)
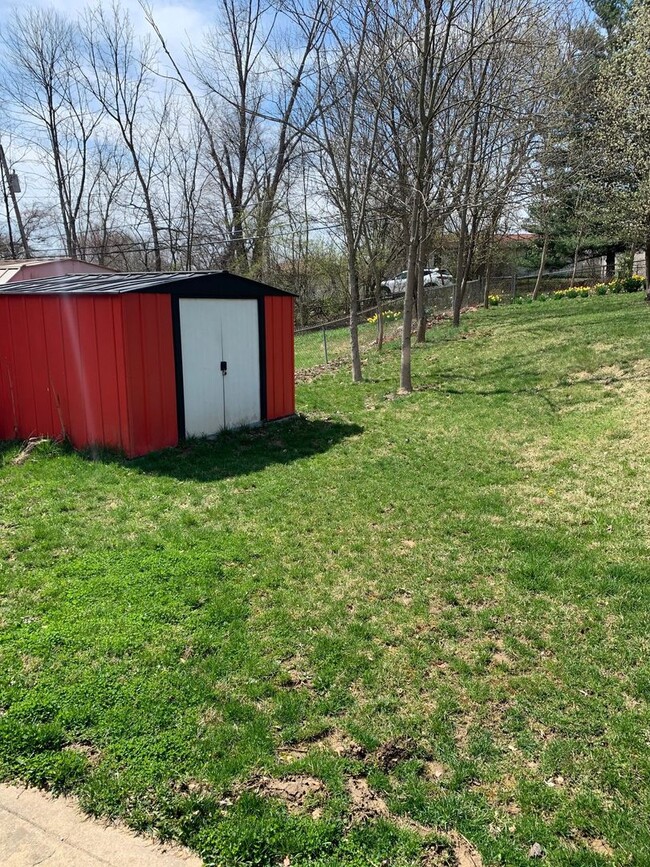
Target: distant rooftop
(518, 236)
(13, 270)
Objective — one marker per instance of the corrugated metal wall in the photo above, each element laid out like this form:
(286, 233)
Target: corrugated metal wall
(280, 384)
(150, 372)
(94, 369)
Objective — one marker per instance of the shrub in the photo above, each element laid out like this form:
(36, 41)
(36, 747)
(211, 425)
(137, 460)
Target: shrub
(635, 283)
(494, 300)
(632, 283)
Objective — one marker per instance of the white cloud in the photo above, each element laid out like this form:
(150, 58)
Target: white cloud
(180, 23)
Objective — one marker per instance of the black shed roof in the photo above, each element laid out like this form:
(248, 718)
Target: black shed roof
(205, 284)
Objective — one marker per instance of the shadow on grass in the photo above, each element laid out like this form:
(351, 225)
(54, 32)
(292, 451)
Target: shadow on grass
(239, 453)
(7, 446)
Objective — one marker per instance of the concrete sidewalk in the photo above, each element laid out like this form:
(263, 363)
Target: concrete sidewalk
(38, 829)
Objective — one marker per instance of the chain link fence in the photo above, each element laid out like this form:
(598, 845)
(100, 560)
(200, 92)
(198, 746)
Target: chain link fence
(439, 299)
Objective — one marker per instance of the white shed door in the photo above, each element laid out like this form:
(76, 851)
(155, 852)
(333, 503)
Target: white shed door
(221, 364)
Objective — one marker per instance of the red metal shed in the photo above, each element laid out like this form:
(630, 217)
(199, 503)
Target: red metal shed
(138, 361)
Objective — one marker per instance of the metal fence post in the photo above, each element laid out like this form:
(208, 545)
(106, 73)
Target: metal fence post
(325, 344)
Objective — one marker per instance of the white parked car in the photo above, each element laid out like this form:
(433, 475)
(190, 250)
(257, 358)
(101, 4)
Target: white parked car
(432, 277)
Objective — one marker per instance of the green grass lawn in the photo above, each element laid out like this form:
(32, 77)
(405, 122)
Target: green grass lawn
(397, 630)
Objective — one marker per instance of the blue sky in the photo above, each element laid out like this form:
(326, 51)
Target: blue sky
(181, 23)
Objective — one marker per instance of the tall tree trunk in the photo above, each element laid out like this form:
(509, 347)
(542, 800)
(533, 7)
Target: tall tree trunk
(353, 285)
(422, 312)
(405, 381)
(151, 217)
(12, 193)
(542, 263)
(459, 286)
(575, 261)
(421, 306)
(380, 314)
(610, 264)
(486, 286)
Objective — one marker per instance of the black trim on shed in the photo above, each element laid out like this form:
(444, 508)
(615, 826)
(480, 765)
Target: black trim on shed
(182, 284)
(178, 366)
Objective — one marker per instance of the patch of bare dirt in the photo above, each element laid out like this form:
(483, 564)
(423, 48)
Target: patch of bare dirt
(500, 658)
(457, 852)
(364, 803)
(493, 792)
(390, 754)
(466, 854)
(606, 375)
(295, 675)
(335, 741)
(342, 745)
(405, 598)
(309, 374)
(406, 546)
(438, 856)
(87, 750)
(191, 787)
(601, 847)
(614, 373)
(434, 770)
(411, 825)
(300, 793)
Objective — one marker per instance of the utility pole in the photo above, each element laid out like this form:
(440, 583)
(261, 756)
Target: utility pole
(8, 184)
(5, 196)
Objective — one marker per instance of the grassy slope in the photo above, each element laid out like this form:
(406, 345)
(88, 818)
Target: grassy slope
(466, 567)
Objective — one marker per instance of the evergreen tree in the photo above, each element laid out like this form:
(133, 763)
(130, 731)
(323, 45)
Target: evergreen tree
(623, 138)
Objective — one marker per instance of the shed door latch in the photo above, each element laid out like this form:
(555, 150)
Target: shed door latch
(224, 367)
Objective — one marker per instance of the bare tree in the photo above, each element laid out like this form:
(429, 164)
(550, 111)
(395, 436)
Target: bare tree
(432, 40)
(347, 130)
(118, 72)
(510, 98)
(248, 104)
(41, 56)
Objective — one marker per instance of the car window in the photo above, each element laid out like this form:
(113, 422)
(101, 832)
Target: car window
(403, 275)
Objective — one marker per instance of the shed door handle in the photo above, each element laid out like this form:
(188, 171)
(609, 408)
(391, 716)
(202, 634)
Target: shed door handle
(224, 367)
